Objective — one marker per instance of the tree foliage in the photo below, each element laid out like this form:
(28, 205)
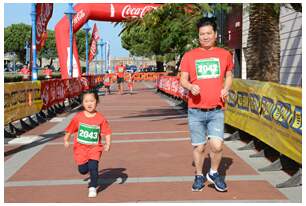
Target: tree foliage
(15, 37)
(165, 33)
(49, 50)
(81, 43)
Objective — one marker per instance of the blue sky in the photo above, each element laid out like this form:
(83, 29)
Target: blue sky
(20, 13)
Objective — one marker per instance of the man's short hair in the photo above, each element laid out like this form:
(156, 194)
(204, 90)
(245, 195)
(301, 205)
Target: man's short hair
(206, 21)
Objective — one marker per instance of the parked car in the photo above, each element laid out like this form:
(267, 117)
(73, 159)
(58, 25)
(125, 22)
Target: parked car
(150, 68)
(131, 68)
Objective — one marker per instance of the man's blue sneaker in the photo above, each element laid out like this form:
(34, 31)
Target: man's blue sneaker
(218, 181)
(198, 184)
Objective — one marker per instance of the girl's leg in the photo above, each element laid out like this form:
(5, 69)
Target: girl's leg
(83, 169)
(93, 170)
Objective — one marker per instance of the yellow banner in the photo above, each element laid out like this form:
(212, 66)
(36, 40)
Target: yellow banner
(269, 111)
(21, 99)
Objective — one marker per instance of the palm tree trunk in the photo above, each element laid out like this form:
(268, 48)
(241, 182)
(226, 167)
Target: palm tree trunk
(263, 45)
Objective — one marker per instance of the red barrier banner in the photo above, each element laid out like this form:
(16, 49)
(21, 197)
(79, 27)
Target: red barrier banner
(46, 93)
(171, 85)
(174, 86)
(60, 91)
(76, 87)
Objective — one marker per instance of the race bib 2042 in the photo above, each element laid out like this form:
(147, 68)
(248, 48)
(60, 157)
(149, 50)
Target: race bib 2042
(88, 134)
(207, 68)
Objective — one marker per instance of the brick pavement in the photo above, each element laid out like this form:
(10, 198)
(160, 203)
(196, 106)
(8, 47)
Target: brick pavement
(150, 161)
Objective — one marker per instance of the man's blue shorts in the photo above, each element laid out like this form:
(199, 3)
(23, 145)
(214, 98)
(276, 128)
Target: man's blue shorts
(205, 124)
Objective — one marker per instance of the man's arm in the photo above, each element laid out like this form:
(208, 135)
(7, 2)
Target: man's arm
(227, 85)
(193, 88)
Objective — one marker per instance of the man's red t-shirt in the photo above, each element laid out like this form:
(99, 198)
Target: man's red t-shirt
(119, 69)
(207, 69)
(87, 134)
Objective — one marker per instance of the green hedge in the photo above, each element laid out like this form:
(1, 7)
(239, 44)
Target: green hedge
(15, 77)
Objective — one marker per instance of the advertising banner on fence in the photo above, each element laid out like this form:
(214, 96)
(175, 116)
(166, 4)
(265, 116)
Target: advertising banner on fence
(21, 99)
(52, 92)
(269, 111)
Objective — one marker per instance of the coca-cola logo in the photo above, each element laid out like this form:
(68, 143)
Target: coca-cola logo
(78, 17)
(129, 11)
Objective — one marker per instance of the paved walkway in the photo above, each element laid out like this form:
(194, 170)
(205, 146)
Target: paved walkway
(150, 161)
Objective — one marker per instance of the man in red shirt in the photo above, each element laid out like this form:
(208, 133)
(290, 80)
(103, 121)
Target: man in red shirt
(203, 71)
(120, 69)
(25, 71)
(47, 72)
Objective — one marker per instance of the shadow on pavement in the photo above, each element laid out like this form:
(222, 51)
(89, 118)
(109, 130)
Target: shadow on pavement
(109, 176)
(155, 113)
(45, 138)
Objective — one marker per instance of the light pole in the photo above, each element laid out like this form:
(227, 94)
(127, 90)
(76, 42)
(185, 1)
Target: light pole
(100, 43)
(33, 17)
(70, 13)
(86, 29)
(107, 56)
(27, 48)
(96, 62)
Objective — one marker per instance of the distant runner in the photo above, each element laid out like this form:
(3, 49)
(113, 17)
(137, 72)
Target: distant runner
(120, 70)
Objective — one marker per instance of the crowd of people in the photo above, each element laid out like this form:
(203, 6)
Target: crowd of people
(121, 76)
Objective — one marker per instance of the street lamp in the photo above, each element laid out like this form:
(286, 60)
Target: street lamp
(101, 43)
(86, 29)
(70, 13)
(107, 51)
(27, 48)
(33, 18)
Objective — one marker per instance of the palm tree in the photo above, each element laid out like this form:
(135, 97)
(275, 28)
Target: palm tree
(263, 45)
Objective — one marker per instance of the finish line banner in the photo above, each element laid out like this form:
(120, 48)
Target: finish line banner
(21, 99)
(269, 111)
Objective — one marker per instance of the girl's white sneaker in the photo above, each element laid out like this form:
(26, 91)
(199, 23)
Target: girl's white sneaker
(92, 192)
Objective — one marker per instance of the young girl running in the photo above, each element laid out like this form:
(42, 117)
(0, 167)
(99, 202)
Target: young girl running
(87, 127)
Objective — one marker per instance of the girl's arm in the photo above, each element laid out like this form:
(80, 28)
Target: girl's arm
(107, 142)
(66, 139)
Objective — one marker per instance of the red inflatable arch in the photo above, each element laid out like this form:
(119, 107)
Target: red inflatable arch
(114, 12)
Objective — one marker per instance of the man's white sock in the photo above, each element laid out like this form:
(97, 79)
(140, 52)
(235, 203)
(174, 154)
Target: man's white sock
(212, 172)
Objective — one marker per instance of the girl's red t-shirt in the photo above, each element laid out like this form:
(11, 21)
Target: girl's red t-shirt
(88, 132)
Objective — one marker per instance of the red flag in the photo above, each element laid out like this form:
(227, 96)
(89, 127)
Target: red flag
(43, 14)
(93, 43)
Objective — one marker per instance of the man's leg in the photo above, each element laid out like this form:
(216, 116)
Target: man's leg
(198, 139)
(216, 148)
(121, 87)
(215, 128)
(198, 157)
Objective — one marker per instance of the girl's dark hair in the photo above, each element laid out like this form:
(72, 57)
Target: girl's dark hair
(206, 21)
(90, 92)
